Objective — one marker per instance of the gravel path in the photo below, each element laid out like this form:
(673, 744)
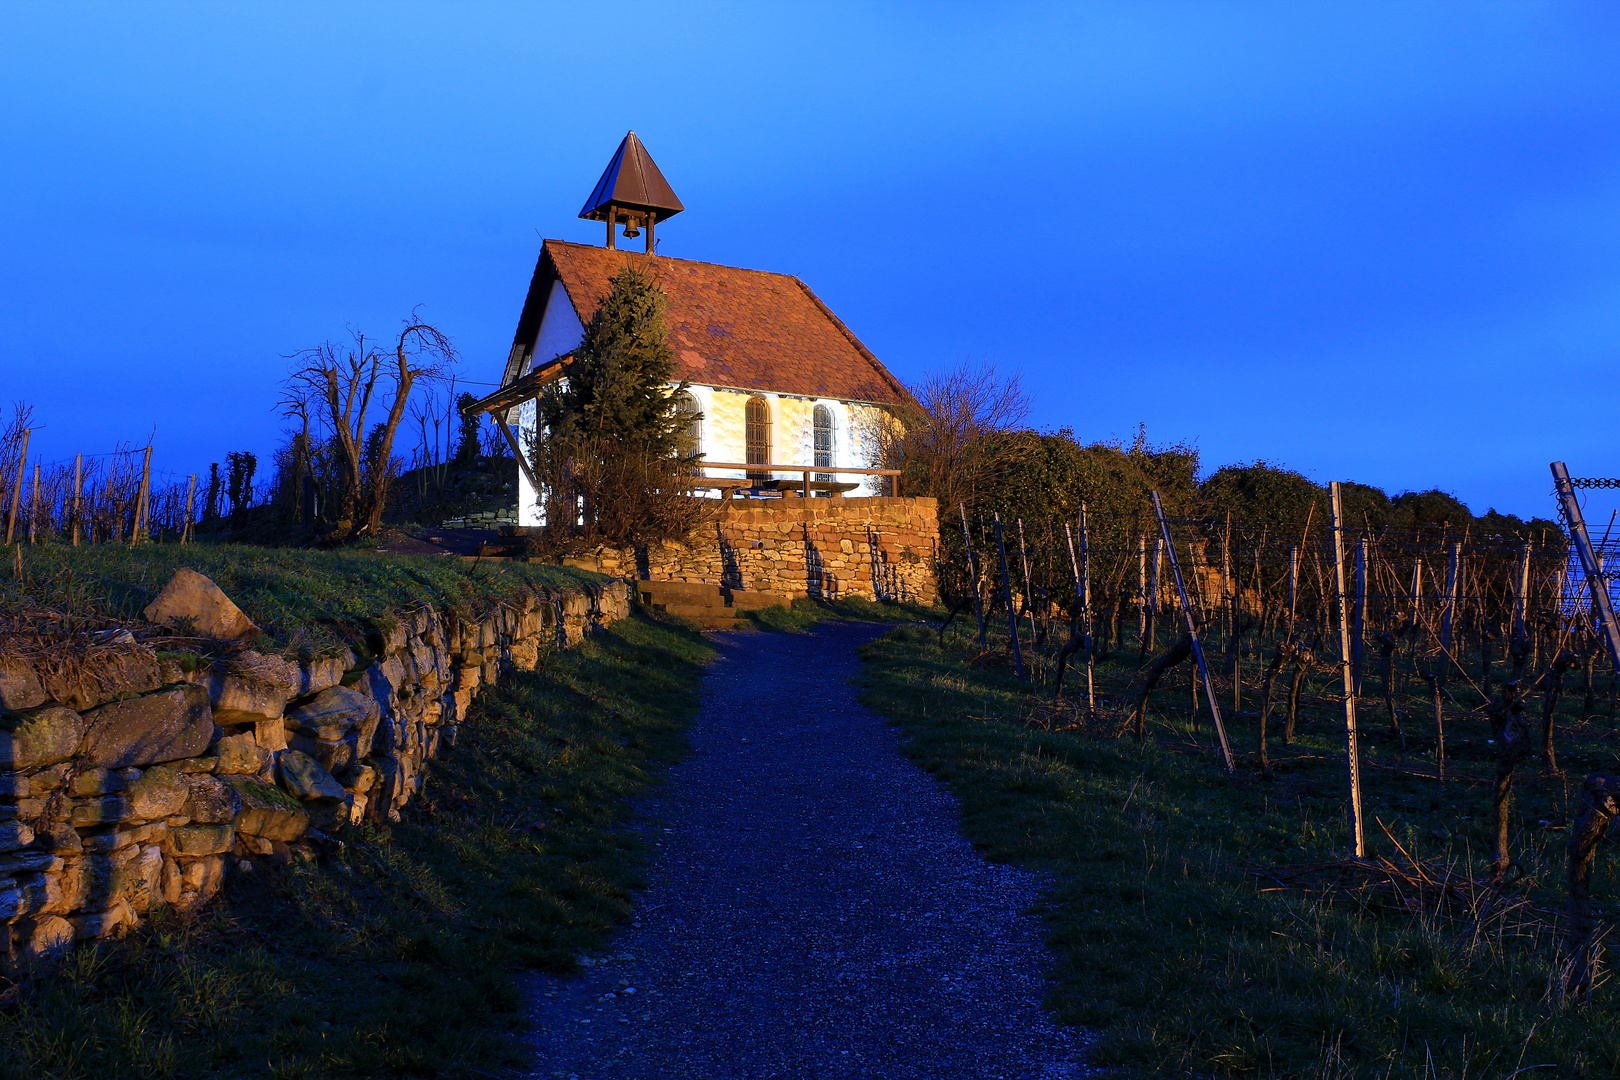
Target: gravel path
(812, 910)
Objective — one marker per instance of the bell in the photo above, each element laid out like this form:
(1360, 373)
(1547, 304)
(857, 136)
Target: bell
(630, 230)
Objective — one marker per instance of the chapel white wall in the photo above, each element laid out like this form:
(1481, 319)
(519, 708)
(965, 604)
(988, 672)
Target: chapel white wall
(560, 328)
(723, 436)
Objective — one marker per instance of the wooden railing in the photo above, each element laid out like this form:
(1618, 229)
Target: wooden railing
(806, 470)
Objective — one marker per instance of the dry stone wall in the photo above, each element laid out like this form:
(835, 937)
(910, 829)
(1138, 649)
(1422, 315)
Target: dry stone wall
(879, 548)
(131, 779)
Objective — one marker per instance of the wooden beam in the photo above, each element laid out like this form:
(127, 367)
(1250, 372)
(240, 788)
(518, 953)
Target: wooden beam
(517, 452)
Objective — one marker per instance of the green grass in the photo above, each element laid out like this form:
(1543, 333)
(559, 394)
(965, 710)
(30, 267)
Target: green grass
(321, 596)
(399, 956)
(803, 613)
(1165, 942)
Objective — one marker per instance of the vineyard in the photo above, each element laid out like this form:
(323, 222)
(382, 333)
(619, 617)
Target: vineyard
(101, 498)
(120, 495)
(1412, 671)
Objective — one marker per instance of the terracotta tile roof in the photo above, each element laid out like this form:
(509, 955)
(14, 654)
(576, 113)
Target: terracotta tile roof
(746, 329)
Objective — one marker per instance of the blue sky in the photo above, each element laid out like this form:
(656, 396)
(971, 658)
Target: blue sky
(1372, 242)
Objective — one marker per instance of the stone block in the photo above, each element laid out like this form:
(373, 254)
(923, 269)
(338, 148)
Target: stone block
(743, 600)
(251, 688)
(103, 923)
(76, 882)
(242, 754)
(189, 596)
(29, 894)
(145, 879)
(203, 876)
(106, 842)
(155, 728)
(322, 673)
(392, 637)
(28, 862)
(333, 755)
(173, 882)
(49, 780)
(160, 792)
(57, 836)
(41, 938)
(197, 840)
(107, 873)
(361, 780)
(39, 737)
(267, 811)
(211, 801)
(19, 687)
(99, 810)
(334, 713)
(271, 735)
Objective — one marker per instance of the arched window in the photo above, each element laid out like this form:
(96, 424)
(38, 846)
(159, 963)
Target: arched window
(758, 436)
(823, 433)
(690, 414)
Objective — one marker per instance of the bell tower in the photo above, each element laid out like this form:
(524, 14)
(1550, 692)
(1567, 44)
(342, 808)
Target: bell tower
(632, 193)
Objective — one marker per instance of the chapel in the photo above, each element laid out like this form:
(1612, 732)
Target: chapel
(773, 377)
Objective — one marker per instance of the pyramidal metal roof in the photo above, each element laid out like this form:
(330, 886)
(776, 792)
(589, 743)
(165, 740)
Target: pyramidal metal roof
(632, 181)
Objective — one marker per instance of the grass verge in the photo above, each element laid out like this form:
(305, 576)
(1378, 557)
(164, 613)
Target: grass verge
(1166, 942)
(321, 596)
(803, 613)
(397, 956)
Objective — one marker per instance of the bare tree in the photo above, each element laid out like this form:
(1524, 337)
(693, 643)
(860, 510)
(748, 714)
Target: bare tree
(12, 448)
(343, 379)
(957, 436)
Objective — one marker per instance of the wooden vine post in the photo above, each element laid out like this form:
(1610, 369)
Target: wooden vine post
(973, 572)
(1358, 623)
(1085, 606)
(1029, 589)
(1597, 586)
(140, 498)
(1192, 633)
(33, 508)
(1449, 612)
(1293, 587)
(1141, 588)
(1012, 612)
(1521, 591)
(191, 493)
(1231, 569)
(16, 487)
(1352, 751)
(78, 488)
(1150, 641)
(1082, 595)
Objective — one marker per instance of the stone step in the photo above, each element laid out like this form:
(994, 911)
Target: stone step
(697, 611)
(692, 599)
(743, 600)
(661, 589)
(715, 602)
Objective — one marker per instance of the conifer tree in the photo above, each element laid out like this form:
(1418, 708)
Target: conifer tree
(607, 447)
(616, 386)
